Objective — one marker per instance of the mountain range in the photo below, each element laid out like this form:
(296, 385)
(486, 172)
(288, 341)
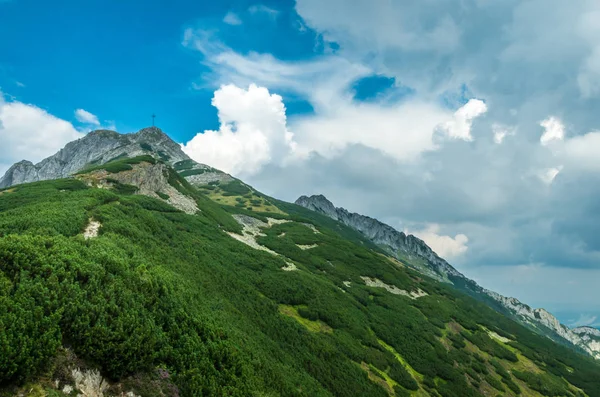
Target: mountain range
(127, 268)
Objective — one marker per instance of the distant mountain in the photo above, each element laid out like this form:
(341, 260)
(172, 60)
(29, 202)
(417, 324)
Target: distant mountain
(102, 146)
(417, 254)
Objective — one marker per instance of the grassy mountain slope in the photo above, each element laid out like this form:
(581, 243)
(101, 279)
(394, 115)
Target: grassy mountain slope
(186, 303)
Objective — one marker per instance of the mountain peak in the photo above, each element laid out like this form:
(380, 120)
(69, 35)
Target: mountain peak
(151, 131)
(25, 163)
(318, 203)
(97, 147)
(586, 330)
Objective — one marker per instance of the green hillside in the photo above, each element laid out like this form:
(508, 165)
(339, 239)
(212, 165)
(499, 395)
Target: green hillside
(260, 299)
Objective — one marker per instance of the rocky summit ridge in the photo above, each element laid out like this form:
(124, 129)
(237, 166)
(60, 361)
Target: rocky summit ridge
(102, 146)
(422, 258)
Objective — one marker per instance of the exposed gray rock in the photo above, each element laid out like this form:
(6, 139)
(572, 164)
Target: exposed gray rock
(423, 259)
(592, 332)
(99, 147)
(398, 244)
(150, 179)
(586, 338)
(208, 177)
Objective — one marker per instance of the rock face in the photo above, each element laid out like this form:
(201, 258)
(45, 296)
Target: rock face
(398, 244)
(101, 146)
(423, 259)
(149, 179)
(586, 338)
(590, 337)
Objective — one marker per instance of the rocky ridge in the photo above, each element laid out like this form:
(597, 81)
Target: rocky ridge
(102, 146)
(423, 259)
(398, 244)
(586, 338)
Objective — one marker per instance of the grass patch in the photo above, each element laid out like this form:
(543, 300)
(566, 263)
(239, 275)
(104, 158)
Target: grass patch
(234, 188)
(313, 326)
(215, 192)
(6, 191)
(184, 165)
(185, 173)
(379, 377)
(116, 166)
(419, 377)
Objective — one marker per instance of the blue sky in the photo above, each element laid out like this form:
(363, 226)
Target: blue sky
(472, 124)
(123, 61)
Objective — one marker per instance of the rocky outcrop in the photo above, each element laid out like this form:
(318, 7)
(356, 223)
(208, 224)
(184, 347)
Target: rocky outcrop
(586, 338)
(422, 258)
(397, 244)
(149, 179)
(587, 332)
(101, 146)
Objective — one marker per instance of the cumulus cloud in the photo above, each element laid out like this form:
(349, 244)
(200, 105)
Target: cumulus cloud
(83, 116)
(28, 132)
(460, 126)
(232, 18)
(253, 131)
(554, 130)
(445, 246)
(403, 130)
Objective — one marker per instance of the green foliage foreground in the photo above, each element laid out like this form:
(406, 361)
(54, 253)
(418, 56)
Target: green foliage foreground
(159, 288)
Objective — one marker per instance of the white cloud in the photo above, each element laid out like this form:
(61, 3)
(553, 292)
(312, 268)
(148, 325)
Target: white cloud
(324, 81)
(403, 131)
(83, 116)
(502, 131)
(253, 131)
(232, 18)
(554, 130)
(547, 176)
(445, 246)
(584, 320)
(460, 126)
(263, 9)
(28, 132)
